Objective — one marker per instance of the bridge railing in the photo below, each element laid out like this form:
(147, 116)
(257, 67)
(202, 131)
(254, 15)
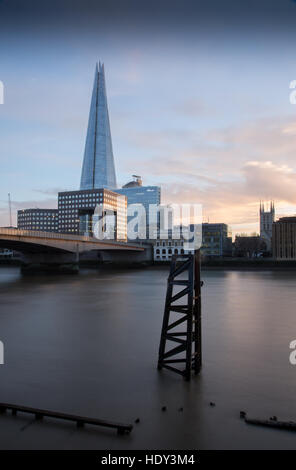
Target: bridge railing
(43, 234)
(58, 236)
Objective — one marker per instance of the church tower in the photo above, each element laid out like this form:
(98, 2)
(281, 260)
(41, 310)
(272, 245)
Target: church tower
(266, 221)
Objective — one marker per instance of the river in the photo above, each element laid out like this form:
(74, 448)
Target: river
(88, 344)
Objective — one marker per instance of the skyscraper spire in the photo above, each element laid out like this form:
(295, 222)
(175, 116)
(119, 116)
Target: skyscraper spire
(98, 170)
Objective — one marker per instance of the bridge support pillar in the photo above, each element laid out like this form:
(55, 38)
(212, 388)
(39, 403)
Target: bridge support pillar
(47, 262)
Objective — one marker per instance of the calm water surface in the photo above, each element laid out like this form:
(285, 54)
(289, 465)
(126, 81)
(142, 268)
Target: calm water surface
(88, 345)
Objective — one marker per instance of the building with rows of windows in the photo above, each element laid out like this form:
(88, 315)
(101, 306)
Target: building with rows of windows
(216, 240)
(146, 196)
(284, 238)
(45, 220)
(163, 250)
(76, 211)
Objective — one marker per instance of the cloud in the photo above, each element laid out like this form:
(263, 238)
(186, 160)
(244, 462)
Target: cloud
(226, 169)
(290, 129)
(191, 107)
(236, 203)
(50, 191)
(271, 180)
(264, 139)
(217, 152)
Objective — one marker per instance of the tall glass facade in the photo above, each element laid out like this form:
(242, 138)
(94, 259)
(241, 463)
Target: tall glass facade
(98, 170)
(144, 195)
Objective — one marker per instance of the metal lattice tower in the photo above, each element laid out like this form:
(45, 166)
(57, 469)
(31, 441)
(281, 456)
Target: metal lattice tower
(187, 315)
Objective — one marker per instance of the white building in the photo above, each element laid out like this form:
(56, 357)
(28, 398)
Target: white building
(163, 250)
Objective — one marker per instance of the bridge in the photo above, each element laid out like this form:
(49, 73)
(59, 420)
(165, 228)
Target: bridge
(42, 250)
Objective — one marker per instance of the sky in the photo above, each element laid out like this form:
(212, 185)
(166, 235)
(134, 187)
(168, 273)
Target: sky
(198, 95)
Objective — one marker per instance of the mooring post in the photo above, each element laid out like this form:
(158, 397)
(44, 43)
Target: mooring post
(197, 312)
(187, 352)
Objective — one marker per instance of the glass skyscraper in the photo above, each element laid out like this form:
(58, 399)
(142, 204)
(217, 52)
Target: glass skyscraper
(144, 195)
(98, 170)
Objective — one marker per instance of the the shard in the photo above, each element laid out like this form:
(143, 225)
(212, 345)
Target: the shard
(98, 170)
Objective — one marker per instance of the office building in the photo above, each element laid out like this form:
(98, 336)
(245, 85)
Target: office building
(98, 169)
(216, 240)
(284, 238)
(77, 211)
(45, 220)
(136, 193)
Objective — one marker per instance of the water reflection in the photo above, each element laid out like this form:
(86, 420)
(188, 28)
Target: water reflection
(88, 344)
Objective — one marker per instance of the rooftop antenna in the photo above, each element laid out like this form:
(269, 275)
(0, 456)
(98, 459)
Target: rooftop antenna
(9, 207)
(138, 179)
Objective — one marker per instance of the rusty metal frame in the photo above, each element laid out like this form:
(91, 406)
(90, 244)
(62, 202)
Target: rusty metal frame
(189, 338)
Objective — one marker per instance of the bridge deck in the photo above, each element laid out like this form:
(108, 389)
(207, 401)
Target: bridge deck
(64, 241)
